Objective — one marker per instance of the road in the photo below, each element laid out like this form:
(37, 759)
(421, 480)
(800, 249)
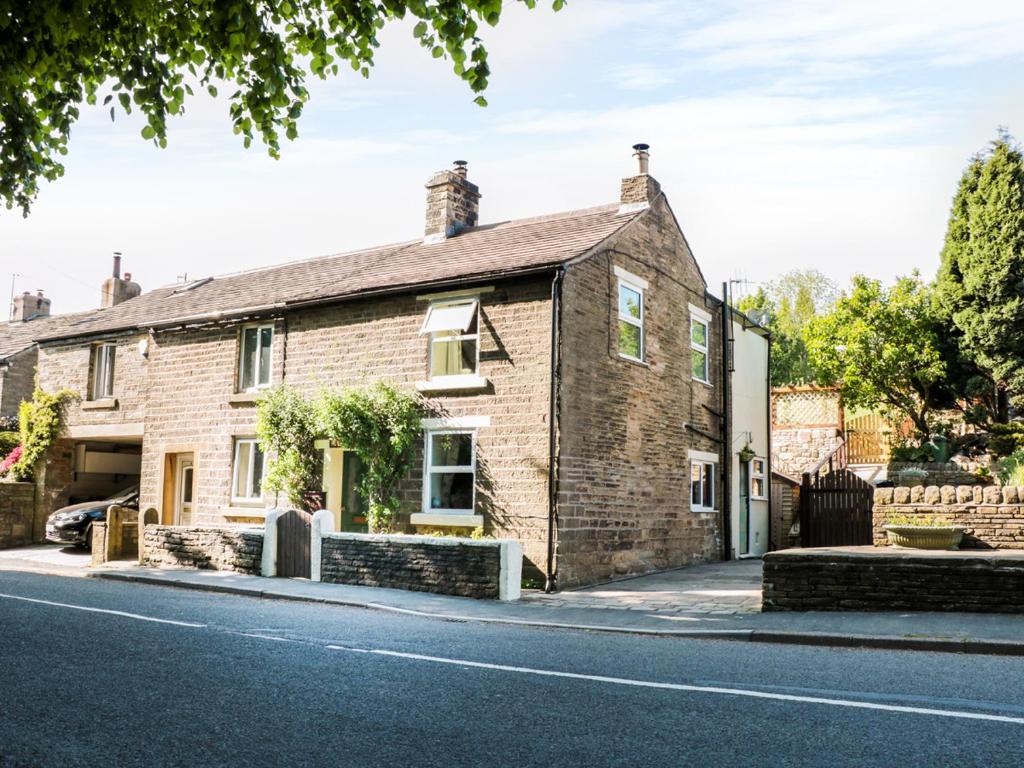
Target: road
(97, 673)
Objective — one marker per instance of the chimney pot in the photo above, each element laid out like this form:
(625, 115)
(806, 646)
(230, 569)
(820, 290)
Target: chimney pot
(117, 265)
(639, 191)
(115, 290)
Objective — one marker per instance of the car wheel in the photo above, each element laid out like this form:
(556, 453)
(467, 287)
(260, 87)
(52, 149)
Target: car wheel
(87, 543)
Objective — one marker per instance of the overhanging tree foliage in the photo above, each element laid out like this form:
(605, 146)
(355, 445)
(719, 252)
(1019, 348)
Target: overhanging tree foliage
(881, 347)
(147, 54)
(980, 286)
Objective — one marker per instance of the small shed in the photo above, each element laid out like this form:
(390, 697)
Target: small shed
(785, 506)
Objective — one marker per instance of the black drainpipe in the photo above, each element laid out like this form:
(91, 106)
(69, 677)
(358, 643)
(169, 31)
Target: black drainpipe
(726, 430)
(551, 577)
(768, 441)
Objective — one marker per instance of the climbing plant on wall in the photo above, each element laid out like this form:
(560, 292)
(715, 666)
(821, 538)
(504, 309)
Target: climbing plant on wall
(39, 422)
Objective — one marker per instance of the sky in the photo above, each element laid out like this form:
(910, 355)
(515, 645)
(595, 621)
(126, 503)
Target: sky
(787, 134)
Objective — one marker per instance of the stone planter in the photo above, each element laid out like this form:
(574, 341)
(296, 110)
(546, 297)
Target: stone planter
(921, 537)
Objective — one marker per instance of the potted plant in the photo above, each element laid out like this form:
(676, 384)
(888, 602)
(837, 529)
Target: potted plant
(923, 532)
(747, 453)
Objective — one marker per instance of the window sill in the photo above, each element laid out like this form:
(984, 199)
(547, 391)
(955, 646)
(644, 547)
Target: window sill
(453, 384)
(446, 520)
(103, 404)
(244, 398)
(703, 510)
(238, 511)
(705, 383)
(634, 360)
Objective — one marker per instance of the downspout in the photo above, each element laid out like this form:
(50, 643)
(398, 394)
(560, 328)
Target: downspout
(768, 439)
(551, 577)
(726, 430)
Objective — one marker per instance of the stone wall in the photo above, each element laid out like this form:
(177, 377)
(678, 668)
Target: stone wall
(993, 515)
(798, 450)
(219, 549)
(626, 428)
(939, 474)
(17, 513)
(17, 380)
(873, 579)
(449, 566)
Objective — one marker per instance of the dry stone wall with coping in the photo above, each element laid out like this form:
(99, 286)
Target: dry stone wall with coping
(218, 549)
(17, 513)
(993, 515)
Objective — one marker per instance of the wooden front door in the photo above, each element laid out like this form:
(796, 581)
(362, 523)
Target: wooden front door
(353, 506)
(294, 528)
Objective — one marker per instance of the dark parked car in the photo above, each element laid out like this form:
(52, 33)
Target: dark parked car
(73, 524)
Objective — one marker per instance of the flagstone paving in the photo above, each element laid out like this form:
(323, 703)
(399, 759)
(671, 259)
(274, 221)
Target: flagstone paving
(718, 589)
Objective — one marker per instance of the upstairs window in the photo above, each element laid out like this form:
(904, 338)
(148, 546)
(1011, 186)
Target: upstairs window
(254, 358)
(699, 347)
(453, 330)
(631, 320)
(103, 371)
(450, 472)
(247, 478)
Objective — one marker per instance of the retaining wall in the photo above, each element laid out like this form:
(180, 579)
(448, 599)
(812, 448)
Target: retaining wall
(17, 514)
(446, 565)
(949, 473)
(882, 579)
(993, 515)
(220, 549)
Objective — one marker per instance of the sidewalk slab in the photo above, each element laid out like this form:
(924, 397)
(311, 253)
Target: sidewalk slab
(943, 632)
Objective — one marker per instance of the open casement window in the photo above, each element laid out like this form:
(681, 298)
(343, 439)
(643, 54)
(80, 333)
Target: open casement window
(247, 477)
(450, 477)
(103, 371)
(631, 320)
(702, 486)
(453, 330)
(758, 488)
(699, 348)
(254, 357)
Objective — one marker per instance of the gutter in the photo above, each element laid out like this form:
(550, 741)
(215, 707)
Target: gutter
(551, 574)
(726, 427)
(768, 433)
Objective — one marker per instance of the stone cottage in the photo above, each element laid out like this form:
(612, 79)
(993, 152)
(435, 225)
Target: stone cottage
(572, 365)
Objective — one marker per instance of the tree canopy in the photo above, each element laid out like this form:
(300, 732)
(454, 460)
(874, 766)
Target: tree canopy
(980, 286)
(881, 347)
(786, 306)
(148, 54)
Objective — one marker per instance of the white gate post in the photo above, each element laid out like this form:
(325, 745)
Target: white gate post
(323, 522)
(268, 563)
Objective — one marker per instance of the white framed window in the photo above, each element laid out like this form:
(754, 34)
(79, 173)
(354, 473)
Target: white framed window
(631, 319)
(255, 352)
(758, 480)
(249, 468)
(453, 331)
(449, 477)
(103, 371)
(702, 486)
(699, 338)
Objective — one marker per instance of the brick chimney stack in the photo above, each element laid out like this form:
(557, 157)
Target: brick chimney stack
(28, 307)
(115, 290)
(453, 204)
(639, 191)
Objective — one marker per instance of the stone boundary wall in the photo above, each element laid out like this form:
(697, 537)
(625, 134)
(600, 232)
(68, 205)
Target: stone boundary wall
(949, 473)
(873, 579)
(798, 450)
(992, 514)
(446, 565)
(17, 514)
(219, 549)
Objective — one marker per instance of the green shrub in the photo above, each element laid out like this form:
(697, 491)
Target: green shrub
(917, 521)
(1011, 469)
(1006, 439)
(287, 429)
(40, 422)
(8, 442)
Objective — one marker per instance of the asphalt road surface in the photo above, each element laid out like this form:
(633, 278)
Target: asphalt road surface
(96, 673)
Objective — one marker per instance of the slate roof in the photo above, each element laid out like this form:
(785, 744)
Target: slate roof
(17, 336)
(487, 251)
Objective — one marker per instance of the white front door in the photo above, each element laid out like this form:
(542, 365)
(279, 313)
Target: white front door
(183, 493)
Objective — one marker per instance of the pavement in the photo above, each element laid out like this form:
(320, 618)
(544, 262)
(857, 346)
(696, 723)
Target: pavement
(712, 601)
(106, 673)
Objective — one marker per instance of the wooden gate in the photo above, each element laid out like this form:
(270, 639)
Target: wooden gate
(293, 534)
(835, 504)
(866, 439)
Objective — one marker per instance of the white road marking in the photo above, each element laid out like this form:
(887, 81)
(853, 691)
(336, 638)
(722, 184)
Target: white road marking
(268, 637)
(136, 616)
(959, 714)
